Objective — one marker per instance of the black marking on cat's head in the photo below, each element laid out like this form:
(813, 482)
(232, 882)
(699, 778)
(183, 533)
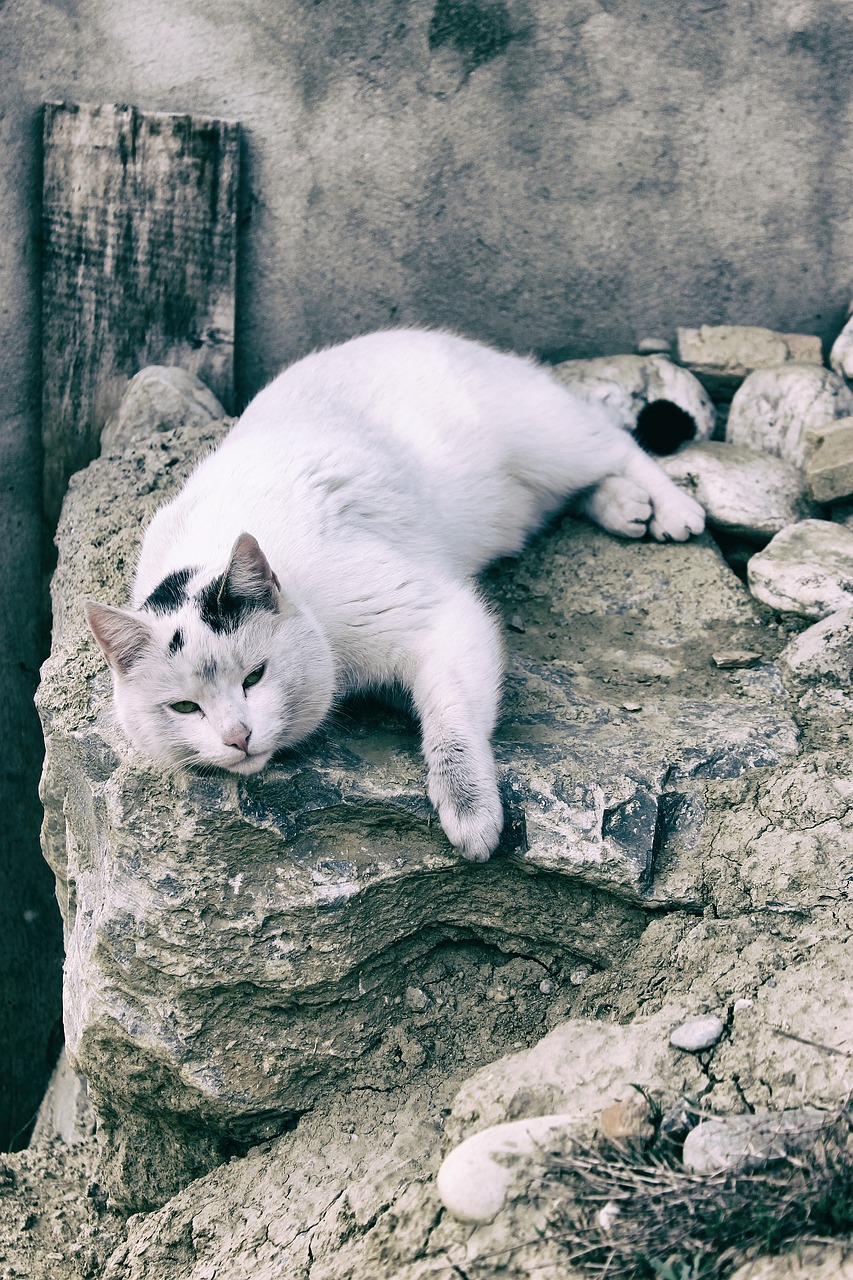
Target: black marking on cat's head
(223, 609)
(170, 594)
(247, 584)
(177, 641)
(662, 426)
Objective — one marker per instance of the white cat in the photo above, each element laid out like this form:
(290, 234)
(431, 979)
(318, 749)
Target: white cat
(330, 543)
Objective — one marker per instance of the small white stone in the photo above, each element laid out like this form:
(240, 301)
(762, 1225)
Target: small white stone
(743, 1003)
(608, 1215)
(416, 999)
(626, 384)
(805, 569)
(743, 491)
(697, 1034)
(747, 1141)
(475, 1178)
(578, 976)
(823, 651)
(546, 986)
(773, 408)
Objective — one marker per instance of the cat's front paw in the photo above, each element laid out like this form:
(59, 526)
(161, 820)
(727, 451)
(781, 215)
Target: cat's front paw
(677, 518)
(471, 814)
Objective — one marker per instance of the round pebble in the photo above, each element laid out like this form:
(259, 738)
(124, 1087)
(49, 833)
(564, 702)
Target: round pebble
(697, 1034)
(577, 976)
(546, 986)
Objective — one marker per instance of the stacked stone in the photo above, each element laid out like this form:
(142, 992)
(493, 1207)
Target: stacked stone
(772, 460)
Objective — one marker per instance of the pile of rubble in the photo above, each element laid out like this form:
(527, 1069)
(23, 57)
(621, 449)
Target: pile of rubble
(772, 460)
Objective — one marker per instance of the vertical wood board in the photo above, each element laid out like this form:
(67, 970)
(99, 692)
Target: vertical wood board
(139, 265)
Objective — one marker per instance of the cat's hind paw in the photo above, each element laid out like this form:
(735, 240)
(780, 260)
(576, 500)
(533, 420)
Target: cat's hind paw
(620, 506)
(677, 518)
(472, 818)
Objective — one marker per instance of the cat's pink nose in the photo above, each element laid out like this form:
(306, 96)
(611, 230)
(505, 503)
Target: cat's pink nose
(238, 738)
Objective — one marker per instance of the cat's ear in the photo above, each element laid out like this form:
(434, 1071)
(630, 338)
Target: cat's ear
(249, 574)
(122, 636)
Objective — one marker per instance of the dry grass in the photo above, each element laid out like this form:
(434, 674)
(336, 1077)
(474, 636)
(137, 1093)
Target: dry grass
(674, 1225)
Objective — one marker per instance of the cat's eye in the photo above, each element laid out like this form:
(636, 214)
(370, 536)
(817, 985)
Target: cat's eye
(185, 708)
(254, 676)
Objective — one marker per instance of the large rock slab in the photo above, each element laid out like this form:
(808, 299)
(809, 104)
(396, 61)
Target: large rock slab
(236, 945)
(773, 408)
(743, 492)
(806, 569)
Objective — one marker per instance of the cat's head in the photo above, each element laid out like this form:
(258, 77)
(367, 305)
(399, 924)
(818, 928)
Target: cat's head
(223, 672)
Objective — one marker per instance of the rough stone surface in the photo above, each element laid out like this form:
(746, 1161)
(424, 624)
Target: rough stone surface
(311, 887)
(626, 384)
(743, 491)
(577, 1069)
(738, 1142)
(806, 569)
(159, 398)
(352, 1192)
(829, 460)
(774, 408)
(823, 651)
(723, 355)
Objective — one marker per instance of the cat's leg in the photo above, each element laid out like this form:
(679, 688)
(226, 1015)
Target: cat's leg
(675, 515)
(640, 497)
(572, 448)
(455, 677)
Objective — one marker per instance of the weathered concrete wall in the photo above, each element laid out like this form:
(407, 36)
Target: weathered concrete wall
(557, 176)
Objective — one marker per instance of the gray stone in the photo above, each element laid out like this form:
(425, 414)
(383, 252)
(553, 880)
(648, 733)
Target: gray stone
(723, 355)
(476, 1177)
(829, 460)
(159, 398)
(823, 652)
(735, 659)
(743, 492)
(654, 347)
(627, 383)
(697, 1034)
(236, 945)
(746, 1142)
(806, 569)
(774, 408)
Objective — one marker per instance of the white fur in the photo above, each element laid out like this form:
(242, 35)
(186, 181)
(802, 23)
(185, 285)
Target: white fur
(378, 477)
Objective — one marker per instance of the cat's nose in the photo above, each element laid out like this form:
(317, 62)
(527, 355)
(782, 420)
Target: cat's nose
(238, 738)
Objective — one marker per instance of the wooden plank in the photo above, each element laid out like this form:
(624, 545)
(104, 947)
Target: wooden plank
(139, 265)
